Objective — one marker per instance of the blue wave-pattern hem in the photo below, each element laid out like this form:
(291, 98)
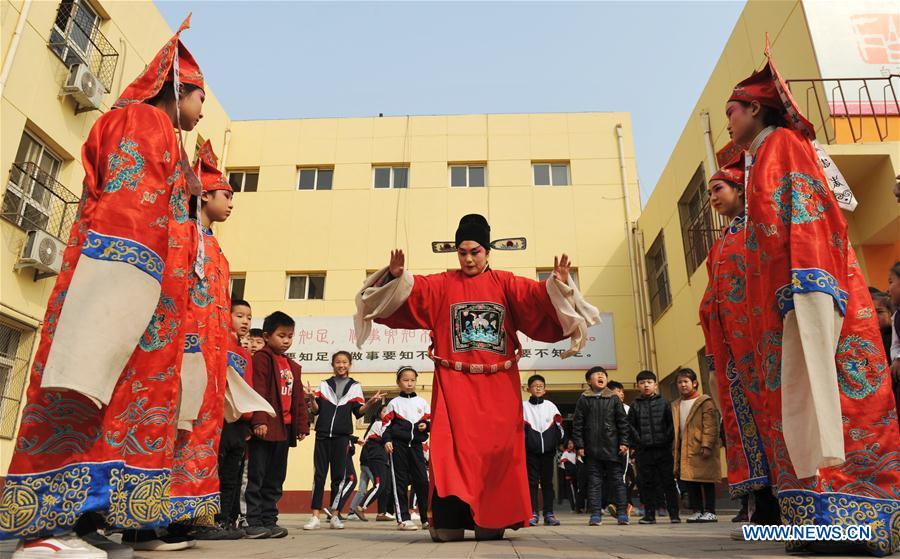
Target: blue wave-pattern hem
(192, 343)
(120, 249)
(237, 362)
(49, 503)
(202, 508)
(747, 486)
(809, 507)
(807, 280)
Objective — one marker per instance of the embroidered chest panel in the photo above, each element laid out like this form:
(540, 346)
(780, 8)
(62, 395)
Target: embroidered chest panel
(478, 326)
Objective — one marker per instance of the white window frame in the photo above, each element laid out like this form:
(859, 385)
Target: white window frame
(245, 172)
(550, 165)
(17, 189)
(77, 6)
(468, 167)
(544, 273)
(393, 169)
(307, 275)
(316, 180)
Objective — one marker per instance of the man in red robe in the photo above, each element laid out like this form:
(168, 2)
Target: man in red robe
(824, 409)
(478, 473)
(98, 427)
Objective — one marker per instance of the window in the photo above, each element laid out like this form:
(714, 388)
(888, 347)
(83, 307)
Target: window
(550, 174)
(467, 175)
(698, 227)
(658, 278)
(29, 193)
(314, 179)
(244, 181)
(545, 273)
(306, 286)
(15, 350)
(236, 285)
(72, 33)
(390, 177)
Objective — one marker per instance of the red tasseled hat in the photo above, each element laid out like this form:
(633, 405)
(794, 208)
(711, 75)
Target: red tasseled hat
(731, 173)
(160, 71)
(769, 89)
(207, 170)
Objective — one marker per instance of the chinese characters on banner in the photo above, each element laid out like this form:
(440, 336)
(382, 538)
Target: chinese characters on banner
(317, 337)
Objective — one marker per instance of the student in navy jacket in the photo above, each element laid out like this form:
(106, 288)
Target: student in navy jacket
(543, 433)
(406, 427)
(338, 402)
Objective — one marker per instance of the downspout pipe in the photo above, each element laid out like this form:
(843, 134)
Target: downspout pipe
(14, 45)
(711, 163)
(629, 242)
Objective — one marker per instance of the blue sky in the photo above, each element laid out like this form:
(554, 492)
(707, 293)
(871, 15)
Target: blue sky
(269, 60)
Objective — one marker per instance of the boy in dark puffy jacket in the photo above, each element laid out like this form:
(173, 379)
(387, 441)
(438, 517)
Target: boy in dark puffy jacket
(601, 434)
(651, 418)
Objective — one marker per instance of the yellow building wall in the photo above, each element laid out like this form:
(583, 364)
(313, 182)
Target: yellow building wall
(868, 167)
(31, 100)
(352, 228)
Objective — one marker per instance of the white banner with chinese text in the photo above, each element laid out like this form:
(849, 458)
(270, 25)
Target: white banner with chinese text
(317, 337)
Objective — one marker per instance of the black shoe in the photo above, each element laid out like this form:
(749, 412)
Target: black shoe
(647, 520)
(741, 516)
(257, 532)
(675, 519)
(276, 531)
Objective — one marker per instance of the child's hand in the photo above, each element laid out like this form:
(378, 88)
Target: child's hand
(378, 396)
(623, 449)
(389, 447)
(422, 426)
(260, 430)
(301, 436)
(705, 452)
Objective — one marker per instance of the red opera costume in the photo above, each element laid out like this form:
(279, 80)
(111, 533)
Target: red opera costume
(730, 348)
(824, 407)
(477, 454)
(195, 480)
(98, 429)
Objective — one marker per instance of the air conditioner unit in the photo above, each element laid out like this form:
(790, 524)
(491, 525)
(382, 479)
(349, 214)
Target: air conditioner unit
(84, 86)
(42, 252)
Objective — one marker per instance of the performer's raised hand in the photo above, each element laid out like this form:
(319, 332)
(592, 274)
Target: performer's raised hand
(398, 261)
(561, 266)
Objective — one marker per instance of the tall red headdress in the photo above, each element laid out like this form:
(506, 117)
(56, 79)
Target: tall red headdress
(769, 89)
(207, 170)
(160, 71)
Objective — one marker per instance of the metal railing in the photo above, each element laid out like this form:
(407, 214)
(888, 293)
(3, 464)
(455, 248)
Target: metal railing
(76, 39)
(36, 200)
(701, 231)
(15, 352)
(856, 101)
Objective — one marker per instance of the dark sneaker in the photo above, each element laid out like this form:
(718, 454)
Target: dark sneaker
(622, 519)
(647, 520)
(215, 533)
(595, 520)
(533, 521)
(741, 516)
(257, 532)
(550, 520)
(277, 531)
(675, 519)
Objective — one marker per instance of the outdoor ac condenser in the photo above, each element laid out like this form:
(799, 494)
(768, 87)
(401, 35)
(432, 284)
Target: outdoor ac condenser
(84, 87)
(42, 252)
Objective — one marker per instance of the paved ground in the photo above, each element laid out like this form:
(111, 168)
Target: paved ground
(573, 539)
